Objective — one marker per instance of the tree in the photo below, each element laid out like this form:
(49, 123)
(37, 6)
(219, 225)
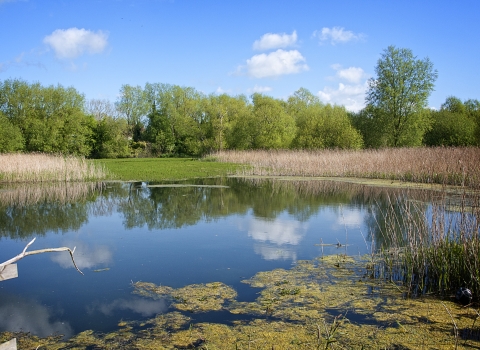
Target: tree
(133, 106)
(321, 126)
(273, 127)
(399, 96)
(11, 138)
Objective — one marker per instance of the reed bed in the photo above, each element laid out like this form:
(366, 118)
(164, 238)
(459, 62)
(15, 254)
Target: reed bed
(41, 167)
(432, 248)
(448, 166)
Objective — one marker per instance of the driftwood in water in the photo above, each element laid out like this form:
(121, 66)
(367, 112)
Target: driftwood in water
(8, 272)
(5, 269)
(9, 345)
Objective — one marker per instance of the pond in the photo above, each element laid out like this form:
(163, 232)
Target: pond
(222, 230)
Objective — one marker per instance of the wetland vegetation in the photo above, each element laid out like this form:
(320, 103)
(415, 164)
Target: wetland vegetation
(397, 293)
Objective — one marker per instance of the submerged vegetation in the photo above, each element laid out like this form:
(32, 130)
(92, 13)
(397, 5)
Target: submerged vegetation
(328, 302)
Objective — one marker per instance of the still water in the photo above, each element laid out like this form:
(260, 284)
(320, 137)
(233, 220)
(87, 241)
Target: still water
(199, 231)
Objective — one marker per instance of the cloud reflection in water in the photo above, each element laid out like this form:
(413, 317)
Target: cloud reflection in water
(140, 306)
(282, 233)
(85, 256)
(17, 314)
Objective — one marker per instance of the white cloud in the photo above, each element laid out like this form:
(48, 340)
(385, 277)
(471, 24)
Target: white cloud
(337, 35)
(350, 96)
(351, 74)
(276, 63)
(275, 41)
(73, 42)
(259, 89)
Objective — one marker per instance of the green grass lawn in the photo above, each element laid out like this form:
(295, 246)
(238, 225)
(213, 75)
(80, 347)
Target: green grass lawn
(158, 169)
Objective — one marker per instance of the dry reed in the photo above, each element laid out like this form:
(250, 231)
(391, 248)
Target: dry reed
(449, 166)
(40, 167)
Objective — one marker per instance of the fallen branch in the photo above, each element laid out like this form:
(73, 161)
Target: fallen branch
(33, 252)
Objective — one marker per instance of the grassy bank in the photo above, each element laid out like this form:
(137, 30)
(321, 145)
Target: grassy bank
(38, 167)
(449, 166)
(158, 169)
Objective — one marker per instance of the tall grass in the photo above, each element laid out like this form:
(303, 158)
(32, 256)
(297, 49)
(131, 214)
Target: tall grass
(40, 167)
(432, 248)
(451, 166)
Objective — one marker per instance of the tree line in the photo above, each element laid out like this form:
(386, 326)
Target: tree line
(170, 120)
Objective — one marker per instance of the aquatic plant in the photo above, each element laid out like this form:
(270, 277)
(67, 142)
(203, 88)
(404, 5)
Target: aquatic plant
(432, 247)
(40, 167)
(350, 310)
(448, 166)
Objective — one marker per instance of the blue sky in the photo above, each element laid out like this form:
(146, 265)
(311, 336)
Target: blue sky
(238, 47)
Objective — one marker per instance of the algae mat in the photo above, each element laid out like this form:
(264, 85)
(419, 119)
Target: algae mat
(328, 302)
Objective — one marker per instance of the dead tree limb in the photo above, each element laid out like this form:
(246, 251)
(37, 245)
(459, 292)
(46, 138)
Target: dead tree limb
(33, 252)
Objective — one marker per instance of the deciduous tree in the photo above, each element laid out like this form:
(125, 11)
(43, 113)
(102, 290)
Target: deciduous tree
(399, 94)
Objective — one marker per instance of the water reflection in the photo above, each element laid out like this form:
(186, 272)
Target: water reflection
(28, 211)
(269, 252)
(18, 314)
(222, 229)
(86, 255)
(144, 307)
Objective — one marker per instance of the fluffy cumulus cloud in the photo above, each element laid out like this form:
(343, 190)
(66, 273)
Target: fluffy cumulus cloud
(337, 35)
(275, 64)
(351, 74)
(350, 96)
(271, 41)
(259, 89)
(350, 92)
(73, 42)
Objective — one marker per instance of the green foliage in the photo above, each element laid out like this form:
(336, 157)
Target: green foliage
(110, 139)
(271, 127)
(452, 125)
(50, 119)
(133, 106)
(450, 129)
(321, 126)
(223, 113)
(399, 96)
(11, 138)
